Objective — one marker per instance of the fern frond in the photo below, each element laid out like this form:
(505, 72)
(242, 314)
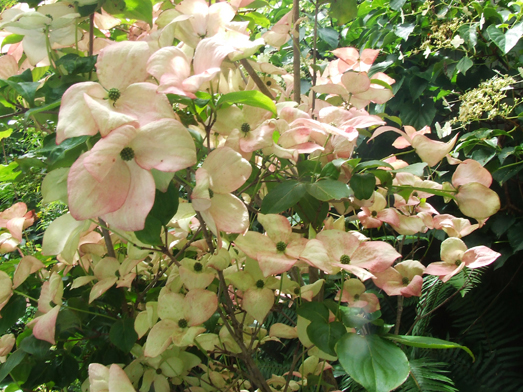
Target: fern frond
(427, 376)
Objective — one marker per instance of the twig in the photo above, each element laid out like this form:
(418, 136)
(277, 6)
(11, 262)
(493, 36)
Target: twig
(296, 50)
(107, 238)
(252, 73)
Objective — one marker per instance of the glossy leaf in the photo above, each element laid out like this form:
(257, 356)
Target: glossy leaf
(325, 335)
(427, 342)
(251, 98)
(363, 185)
(375, 363)
(326, 190)
(123, 335)
(282, 197)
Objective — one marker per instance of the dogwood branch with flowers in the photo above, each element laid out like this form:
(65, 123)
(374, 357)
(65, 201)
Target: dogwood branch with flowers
(201, 208)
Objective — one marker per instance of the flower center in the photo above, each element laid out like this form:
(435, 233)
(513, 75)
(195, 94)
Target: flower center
(269, 83)
(182, 323)
(281, 246)
(405, 280)
(374, 214)
(356, 297)
(260, 283)
(297, 290)
(114, 94)
(127, 154)
(345, 259)
(246, 128)
(198, 267)
(158, 371)
(457, 262)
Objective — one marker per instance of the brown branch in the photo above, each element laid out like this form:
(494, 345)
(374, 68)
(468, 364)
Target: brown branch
(107, 238)
(296, 50)
(252, 73)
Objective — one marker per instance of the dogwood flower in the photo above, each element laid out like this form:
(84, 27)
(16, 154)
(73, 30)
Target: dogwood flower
(402, 279)
(456, 257)
(121, 97)
(222, 172)
(113, 179)
(53, 23)
(180, 319)
(278, 250)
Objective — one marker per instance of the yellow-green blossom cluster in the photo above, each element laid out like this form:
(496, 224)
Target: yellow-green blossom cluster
(485, 101)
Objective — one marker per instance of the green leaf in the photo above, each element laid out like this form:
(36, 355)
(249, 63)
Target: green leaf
(325, 335)
(464, 65)
(363, 185)
(12, 361)
(75, 64)
(12, 39)
(165, 204)
(384, 176)
(131, 9)
(12, 312)
(5, 134)
(343, 10)
(282, 197)
(508, 40)
(416, 168)
(123, 335)
(505, 173)
(404, 30)
(515, 237)
(351, 317)
(330, 171)
(326, 190)
(38, 348)
(396, 5)
(311, 210)
(375, 363)
(314, 311)
(330, 36)
(150, 234)
(427, 342)
(26, 89)
(8, 173)
(42, 108)
(372, 164)
(251, 98)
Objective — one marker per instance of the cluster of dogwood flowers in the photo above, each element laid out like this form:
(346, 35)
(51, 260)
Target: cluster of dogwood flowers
(142, 144)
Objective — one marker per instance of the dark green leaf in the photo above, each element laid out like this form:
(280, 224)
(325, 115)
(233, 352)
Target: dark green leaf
(12, 312)
(363, 184)
(251, 98)
(416, 168)
(427, 342)
(375, 363)
(311, 210)
(330, 171)
(326, 190)
(396, 5)
(38, 348)
(123, 335)
(515, 236)
(165, 204)
(404, 30)
(351, 317)
(26, 89)
(343, 10)
(313, 311)
(325, 335)
(505, 173)
(282, 197)
(330, 36)
(151, 232)
(464, 65)
(12, 360)
(75, 64)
